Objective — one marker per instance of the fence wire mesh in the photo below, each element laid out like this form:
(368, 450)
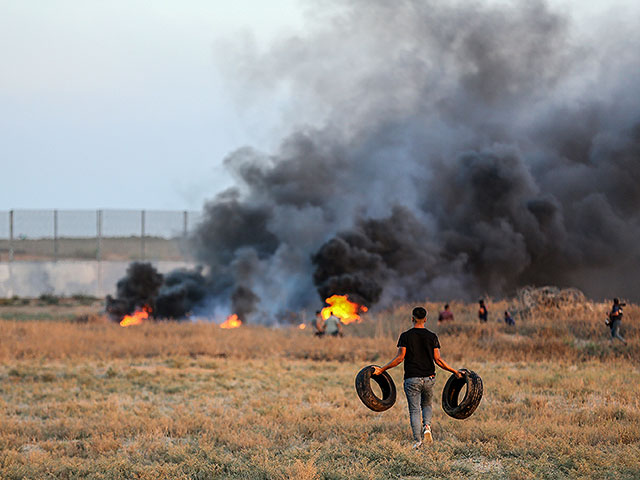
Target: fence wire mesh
(44, 235)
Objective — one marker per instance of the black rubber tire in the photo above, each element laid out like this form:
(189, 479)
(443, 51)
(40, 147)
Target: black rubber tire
(363, 387)
(471, 400)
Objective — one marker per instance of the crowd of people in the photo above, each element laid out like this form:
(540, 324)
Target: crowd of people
(446, 315)
(333, 326)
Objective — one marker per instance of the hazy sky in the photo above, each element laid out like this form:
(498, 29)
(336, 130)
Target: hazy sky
(123, 104)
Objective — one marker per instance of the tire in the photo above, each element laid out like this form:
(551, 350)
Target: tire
(471, 400)
(363, 387)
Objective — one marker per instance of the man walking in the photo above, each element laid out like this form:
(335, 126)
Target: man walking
(482, 311)
(615, 317)
(420, 349)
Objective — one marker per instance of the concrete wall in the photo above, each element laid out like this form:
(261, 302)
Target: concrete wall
(64, 278)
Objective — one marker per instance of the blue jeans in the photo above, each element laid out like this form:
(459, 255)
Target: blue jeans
(419, 392)
(615, 330)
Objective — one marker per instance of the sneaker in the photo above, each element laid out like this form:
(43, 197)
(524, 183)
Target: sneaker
(426, 432)
(416, 445)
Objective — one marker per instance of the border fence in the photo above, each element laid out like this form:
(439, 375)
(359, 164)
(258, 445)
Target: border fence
(50, 251)
(102, 235)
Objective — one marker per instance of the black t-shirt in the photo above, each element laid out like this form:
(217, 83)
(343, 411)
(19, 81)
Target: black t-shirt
(418, 360)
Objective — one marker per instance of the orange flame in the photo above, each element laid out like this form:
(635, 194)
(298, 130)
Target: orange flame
(342, 308)
(232, 321)
(302, 326)
(137, 318)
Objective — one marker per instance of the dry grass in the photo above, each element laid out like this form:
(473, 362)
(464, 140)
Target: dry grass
(572, 335)
(193, 401)
(49, 307)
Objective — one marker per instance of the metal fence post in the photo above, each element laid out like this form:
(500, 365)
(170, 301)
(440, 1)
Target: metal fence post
(142, 235)
(99, 235)
(10, 235)
(185, 224)
(10, 292)
(99, 250)
(55, 235)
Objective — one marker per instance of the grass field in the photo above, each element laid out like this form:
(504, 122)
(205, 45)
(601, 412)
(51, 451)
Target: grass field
(193, 401)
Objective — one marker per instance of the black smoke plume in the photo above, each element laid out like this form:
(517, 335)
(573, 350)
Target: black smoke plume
(139, 288)
(441, 149)
(182, 293)
(173, 296)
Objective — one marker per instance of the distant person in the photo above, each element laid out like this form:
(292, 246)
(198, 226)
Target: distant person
(421, 349)
(446, 315)
(508, 319)
(333, 326)
(318, 324)
(615, 318)
(482, 311)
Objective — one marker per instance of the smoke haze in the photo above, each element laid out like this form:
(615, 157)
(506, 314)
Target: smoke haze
(442, 150)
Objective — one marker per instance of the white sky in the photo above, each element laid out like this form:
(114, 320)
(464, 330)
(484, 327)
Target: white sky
(121, 104)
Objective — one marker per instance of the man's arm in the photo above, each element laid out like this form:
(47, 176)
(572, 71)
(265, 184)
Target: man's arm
(393, 363)
(442, 364)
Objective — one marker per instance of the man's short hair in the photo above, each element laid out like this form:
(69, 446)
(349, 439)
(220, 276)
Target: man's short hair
(616, 300)
(419, 313)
